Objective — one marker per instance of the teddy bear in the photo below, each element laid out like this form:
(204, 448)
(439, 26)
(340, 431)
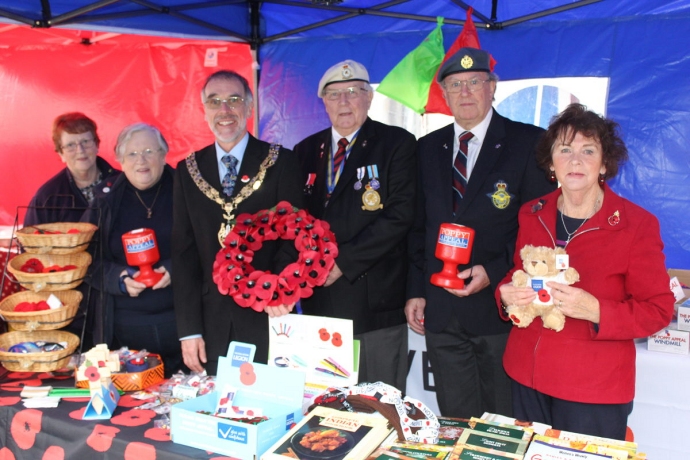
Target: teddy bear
(541, 264)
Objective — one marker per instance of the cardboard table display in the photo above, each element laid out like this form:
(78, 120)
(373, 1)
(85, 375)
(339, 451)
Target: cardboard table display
(321, 347)
(276, 391)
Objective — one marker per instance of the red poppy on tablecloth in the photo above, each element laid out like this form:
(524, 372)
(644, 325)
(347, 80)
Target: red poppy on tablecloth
(21, 375)
(25, 425)
(19, 385)
(9, 400)
(158, 434)
(6, 454)
(134, 417)
(101, 438)
(314, 240)
(54, 453)
(78, 414)
(129, 401)
(140, 451)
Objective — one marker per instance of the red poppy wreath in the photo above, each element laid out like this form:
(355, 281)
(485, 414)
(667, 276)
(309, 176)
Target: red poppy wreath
(257, 289)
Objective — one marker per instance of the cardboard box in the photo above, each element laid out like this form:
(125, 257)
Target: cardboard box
(502, 429)
(276, 391)
(680, 283)
(614, 448)
(494, 444)
(541, 449)
(669, 340)
(469, 453)
(451, 429)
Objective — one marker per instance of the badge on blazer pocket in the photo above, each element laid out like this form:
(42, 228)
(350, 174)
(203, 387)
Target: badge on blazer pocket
(500, 197)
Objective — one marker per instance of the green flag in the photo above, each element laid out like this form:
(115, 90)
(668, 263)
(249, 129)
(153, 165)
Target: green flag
(409, 81)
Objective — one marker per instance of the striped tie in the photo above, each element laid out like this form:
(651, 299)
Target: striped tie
(460, 170)
(230, 177)
(339, 156)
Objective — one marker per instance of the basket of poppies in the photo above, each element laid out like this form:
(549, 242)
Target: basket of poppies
(56, 238)
(31, 311)
(50, 272)
(38, 351)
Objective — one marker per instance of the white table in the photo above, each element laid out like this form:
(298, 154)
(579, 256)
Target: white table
(661, 412)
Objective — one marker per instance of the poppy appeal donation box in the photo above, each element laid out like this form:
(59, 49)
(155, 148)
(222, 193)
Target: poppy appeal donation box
(277, 392)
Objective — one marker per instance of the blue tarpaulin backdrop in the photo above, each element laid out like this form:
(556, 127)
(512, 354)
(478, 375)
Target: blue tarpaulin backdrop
(642, 46)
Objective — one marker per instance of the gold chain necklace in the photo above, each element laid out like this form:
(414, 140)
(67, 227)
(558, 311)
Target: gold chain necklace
(149, 210)
(214, 195)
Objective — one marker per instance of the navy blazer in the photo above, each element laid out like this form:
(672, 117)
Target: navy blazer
(506, 162)
(199, 307)
(372, 244)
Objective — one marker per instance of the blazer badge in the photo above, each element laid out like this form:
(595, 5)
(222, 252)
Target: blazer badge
(500, 197)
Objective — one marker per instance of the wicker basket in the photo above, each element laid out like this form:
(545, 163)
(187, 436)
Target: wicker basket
(37, 362)
(56, 281)
(62, 243)
(40, 320)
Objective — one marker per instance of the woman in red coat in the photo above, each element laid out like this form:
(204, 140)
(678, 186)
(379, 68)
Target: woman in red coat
(582, 378)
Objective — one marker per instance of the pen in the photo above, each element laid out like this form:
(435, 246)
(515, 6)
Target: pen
(326, 371)
(337, 366)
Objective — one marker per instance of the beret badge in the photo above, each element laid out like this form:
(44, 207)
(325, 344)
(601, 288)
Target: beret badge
(347, 72)
(466, 62)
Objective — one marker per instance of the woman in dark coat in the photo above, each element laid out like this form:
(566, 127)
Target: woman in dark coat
(136, 316)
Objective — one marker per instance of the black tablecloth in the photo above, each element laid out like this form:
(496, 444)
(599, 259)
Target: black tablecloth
(60, 433)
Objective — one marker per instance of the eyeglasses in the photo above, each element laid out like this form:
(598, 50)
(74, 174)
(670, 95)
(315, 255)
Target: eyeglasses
(351, 92)
(473, 85)
(145, 154)
(214, 103)
(73, 146)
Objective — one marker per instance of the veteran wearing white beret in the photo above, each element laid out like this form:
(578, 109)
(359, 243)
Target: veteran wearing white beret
(359, 176)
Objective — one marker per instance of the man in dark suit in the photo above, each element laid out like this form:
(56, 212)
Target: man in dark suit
(208, 321)
(359, 177)
(482, 189)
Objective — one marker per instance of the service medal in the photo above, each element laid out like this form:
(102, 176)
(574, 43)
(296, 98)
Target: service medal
(373, 177)
(371, 200)
(360, 176)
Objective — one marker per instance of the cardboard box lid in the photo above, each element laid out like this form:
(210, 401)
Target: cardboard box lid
(259, 381)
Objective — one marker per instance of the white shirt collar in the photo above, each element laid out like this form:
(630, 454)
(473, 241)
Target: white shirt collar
(336, 136)
(237, 151)
(479, 131)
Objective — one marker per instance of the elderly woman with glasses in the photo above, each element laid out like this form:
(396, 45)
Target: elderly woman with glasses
(67, 194)
(137, 316)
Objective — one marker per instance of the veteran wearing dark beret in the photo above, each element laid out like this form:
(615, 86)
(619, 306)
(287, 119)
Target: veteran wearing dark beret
(359, 176)
(476, 172)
